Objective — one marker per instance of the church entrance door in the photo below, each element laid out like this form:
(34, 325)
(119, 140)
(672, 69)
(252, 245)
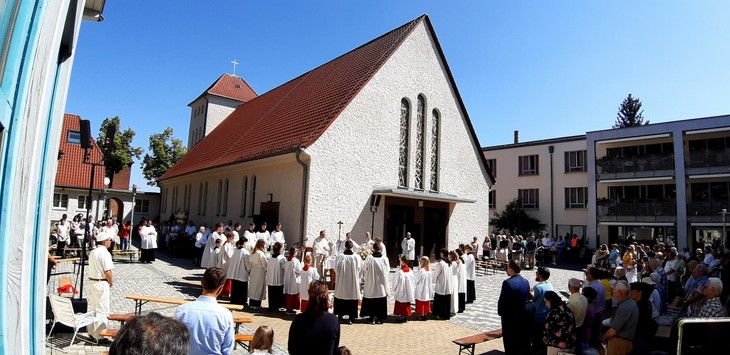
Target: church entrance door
(399, 221)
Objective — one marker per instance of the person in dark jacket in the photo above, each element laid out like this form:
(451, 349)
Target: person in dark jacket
(316, 331)
(512, 308)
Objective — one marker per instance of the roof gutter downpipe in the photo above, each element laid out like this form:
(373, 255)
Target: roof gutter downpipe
(305, 184)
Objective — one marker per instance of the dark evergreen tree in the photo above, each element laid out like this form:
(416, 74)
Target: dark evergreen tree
(118, 152)
(630, 113)
(515, 220)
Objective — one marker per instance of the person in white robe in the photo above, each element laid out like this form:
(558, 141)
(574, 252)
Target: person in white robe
(461, 280)
(382, 247)
(368, 242)
(239, 268)
(309, 274)
(148, 236)
(223, 261)
(200, 242)
(275, 279)
(257, 279)
(442, 286)
(341, 244)
(471, 275)
(375, 271)
(208, 259)
(250, 234)
(292, 276)
(236, 231)
(454, 272)
(347, 284)
(408, 245)
(423, 293)
(264, 235)
(403, 290)
(277, 236)
(321, 248)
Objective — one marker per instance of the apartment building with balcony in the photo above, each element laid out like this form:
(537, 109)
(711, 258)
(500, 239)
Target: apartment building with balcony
(548, 178)
(664, 181)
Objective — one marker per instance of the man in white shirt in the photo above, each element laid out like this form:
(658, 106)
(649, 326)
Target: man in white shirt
(100, 279)
(264, 235)
(62, 231)
(321, 247)
(341, 244)
(409, 248)
(190, 230)
(277, 236)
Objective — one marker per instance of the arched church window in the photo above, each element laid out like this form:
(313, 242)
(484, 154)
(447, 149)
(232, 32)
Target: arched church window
(219, 201)
(244, 194)
(253, 195)
(224, 209)
(420, 141)
(405, 112)
(435, 136)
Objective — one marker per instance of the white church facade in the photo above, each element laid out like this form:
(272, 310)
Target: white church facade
(377, 140)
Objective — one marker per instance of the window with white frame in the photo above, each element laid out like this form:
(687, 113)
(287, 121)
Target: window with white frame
(60, 200)
(74, 137)
(141, 206)
(529, 165)
(84, 201)
(575, 197)
(575, 161)
(529, 198)
(405, 112)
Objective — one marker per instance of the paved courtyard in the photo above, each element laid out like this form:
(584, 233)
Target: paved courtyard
(176, 278)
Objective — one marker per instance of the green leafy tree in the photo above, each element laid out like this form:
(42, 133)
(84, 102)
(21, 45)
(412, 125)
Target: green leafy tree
(515, 220)
(120, 153)
(630, 113)
(166, 151)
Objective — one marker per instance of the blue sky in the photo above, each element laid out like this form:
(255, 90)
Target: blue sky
(545, 68)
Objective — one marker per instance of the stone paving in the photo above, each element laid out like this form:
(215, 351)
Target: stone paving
(176, 278)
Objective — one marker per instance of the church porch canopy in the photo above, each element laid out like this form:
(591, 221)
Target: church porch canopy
(420, 195)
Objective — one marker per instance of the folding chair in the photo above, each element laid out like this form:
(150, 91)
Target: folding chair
(63, 313)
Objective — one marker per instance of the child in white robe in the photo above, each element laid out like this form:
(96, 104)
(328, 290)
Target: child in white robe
(309, 274)
(454, 273)
(292, 272)
(423, 293)
(275, 278)
(461, 280)
(403, 289)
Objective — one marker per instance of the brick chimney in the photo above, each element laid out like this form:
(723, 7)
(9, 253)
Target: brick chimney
(517, 136)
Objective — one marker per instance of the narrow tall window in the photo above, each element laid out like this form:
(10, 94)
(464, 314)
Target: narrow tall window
(528, 165)
(224, 210)
(219, 201)
(253, 195)
(405, 113)
(185, 197)
(420, 141)
(244, 194)
(529, 198)
(575, 161)
(200, 199)
(435, 121)
(205, 198)
(190, 197)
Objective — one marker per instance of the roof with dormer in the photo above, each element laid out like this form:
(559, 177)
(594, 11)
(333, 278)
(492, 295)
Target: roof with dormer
(71, 170)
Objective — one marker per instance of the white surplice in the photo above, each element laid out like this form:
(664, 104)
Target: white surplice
(424, 288)
(239, 266)
(275, 271)
(309, 274)
(257, 281)
(375, 272)
(292, 272)
(404, 286)
(347, 283)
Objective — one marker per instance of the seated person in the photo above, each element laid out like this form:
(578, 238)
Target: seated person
(151, 334)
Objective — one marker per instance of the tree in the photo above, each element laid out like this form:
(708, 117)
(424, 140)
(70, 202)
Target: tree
(166, 151)
(120, 153)
(514, 219)
(630, 113)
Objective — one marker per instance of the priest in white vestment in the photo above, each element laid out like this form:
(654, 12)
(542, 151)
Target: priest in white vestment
(375, 271)
(321, 248)
(239, 268)
(409, 249)
(148, 243)
(347, 284)
(341, 244)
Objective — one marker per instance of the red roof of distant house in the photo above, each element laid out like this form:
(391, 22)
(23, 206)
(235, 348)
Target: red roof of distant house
(231, 87)
(294, 114)
(71, 171)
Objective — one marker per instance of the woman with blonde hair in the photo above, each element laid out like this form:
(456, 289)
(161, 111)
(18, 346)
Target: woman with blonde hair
(263, 340)
(424, 289)
(257, 281)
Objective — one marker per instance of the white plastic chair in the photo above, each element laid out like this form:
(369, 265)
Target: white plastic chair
(63, 313)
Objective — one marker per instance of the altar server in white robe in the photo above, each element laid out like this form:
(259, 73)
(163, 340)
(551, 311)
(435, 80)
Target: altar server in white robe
(208, 259)
(275, 279)
(239, 268)
(454, 271)
(277, 236)
(309, 274)
(461, 280)
(375, 271)
(442, 286)
(223, 258)
(257, 280)
(148, 243)
(408, 245)
(347, 284)
(341, 244)
(250, 234)
(423, 292)
(471, 274)
(403, 290)
(264, 235)
(292, 275)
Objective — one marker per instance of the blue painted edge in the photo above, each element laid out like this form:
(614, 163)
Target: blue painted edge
(24, 41)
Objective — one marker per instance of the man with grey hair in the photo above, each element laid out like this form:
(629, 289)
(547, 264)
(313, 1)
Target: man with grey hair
(622, 328)
(662, 285)
(577, 302)
(712, 291)
(693, 296)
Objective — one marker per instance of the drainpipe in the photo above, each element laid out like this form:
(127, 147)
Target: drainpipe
(551, 150)
(305, 178)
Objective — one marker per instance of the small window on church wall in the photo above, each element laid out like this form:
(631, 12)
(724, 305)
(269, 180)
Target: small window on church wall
(435, 126)
(243, 196)
(224, 209)
(219, 201)
(420, 140)
(253, 196)
(405, 112)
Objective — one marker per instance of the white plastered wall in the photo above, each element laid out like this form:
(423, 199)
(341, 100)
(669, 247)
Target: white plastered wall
(359, 151)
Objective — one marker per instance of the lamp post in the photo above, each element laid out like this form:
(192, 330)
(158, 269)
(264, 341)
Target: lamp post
(134, 201)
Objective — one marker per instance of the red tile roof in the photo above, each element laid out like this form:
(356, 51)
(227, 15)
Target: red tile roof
(232, 87)
(294, 114)
(71, 171)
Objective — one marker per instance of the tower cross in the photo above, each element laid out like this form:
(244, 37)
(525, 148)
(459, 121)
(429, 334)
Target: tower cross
(234, 62)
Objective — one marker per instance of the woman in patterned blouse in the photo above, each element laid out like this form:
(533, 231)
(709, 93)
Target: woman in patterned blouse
(560, 332)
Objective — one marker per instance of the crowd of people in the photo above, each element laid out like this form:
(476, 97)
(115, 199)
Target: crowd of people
(533, 250)
(617, 307)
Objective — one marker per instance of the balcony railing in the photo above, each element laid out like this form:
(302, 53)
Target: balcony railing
(706, 211)
(709, 159)
(648, 165)
(639, 210)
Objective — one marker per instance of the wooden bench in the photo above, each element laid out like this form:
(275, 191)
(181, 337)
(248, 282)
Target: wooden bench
(109, 332)
(467, 344)
(123, 318)
(132, 254)
(244, 340)
(484, 267)
(140, 300)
